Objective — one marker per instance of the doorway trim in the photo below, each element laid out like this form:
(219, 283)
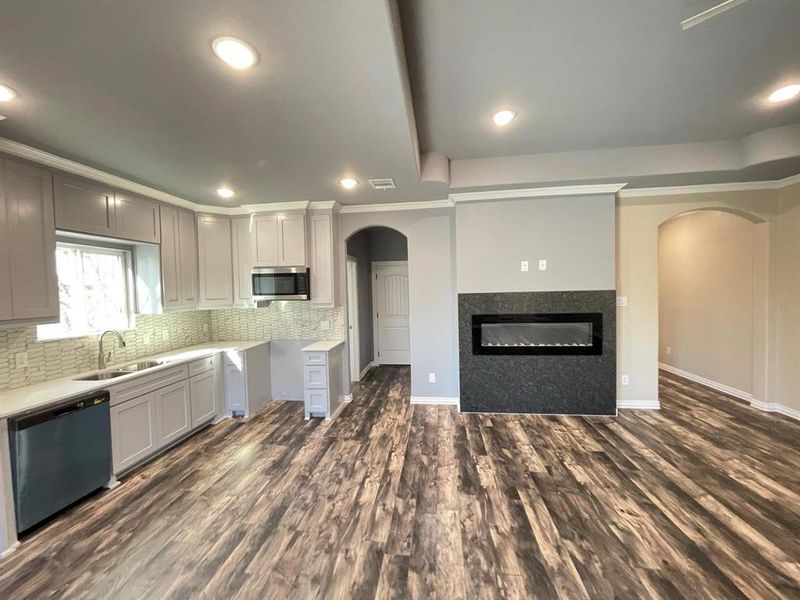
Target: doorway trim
(352, 318)
(375, 337)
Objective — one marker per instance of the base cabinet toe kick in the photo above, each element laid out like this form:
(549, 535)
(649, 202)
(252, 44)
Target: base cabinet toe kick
(323, 379)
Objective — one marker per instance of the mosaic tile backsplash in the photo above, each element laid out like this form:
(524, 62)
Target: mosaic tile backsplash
(61, 358)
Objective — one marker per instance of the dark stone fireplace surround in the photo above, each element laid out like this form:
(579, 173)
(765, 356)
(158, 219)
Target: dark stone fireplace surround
(538, 383)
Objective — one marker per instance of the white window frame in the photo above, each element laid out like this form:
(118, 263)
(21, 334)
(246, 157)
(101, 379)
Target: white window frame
(130, 298)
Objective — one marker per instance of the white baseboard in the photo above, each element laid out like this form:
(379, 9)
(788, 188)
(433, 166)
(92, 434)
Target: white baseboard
(639, 404)
(714, 385)
(367, 369)
(10, 550)
(448, 400)
(782, 409)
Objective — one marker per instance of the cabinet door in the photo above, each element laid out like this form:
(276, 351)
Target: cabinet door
(265, 241)
(31, 242)
(137, 218)
(174, 416)
(134, 434)
(187, 250)
(235, 394)
(216, 264)
(170, 260)
(321, 260)
(204, 401)
(292, 240)
(84, 206)
(242, 263)
(317, 402)
(5, 274)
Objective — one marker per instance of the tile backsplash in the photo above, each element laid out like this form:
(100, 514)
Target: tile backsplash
(278, 321)
(61, 358)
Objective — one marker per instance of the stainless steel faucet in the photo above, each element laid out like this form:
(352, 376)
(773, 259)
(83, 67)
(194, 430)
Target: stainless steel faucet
(102, 357)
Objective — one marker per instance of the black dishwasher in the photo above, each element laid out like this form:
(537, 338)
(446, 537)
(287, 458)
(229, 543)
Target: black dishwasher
(58, 456)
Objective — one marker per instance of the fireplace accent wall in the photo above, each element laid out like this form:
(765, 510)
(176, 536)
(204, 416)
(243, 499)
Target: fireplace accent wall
(538, 352)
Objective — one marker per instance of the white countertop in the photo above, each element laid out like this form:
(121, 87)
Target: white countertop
(22, 399)
(323, 346)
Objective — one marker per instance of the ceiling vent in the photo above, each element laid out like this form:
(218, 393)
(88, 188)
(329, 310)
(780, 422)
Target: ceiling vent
(382, 184)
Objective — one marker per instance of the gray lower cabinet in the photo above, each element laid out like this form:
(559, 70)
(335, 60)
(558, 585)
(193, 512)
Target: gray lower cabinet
(204, 400)
(174, 412)
(134, 431)
(174, 405)
(323, 379)
(28, 281)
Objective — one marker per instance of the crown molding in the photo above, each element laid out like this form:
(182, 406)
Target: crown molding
(538, 192)
(711, 188)
(273, 206)
(424, 205)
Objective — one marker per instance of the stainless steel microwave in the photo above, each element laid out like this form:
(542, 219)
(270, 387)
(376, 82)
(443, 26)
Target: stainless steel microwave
(281, 283)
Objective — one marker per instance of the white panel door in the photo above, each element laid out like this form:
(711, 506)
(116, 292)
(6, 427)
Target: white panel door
(174, 419)
(204, 401)
(390, 302)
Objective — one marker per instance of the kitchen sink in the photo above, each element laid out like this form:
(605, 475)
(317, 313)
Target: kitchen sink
(103, 376)
(141, 366)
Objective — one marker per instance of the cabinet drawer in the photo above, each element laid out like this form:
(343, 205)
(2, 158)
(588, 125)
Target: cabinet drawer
(317, 401)
(201, 365)
(315, 377)
(147, 383)
(315, 358)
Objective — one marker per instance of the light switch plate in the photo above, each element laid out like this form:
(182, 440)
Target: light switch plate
(21, 360)
(324, 325)
(543, 264)
(431, 377)
(165, 335)
(146, 339)
(669, 350)
(523, 266)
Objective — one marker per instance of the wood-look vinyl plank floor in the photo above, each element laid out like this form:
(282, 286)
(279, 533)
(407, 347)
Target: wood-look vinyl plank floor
(698, 500)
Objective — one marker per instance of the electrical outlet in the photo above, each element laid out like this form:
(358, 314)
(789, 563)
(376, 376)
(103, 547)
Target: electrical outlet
(165, 335)
(523, 266)
(622, 301)
(669, 350)
(205, 327)
(543, 264)
(625, 380)
(325, 325)
(431, 377)
(21, 360)
(147, 339)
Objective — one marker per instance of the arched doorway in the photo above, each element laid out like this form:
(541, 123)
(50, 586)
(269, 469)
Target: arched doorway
(709, 296)
(378, 313)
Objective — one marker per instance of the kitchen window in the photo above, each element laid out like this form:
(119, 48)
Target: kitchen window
(94, 291)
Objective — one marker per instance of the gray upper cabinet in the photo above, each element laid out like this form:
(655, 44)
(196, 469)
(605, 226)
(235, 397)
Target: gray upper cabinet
(28, 244)
(322, 249)
(84, 206)
(178, 258)
(242, 262)
(216, 263)
(137, 218)
(279, 240)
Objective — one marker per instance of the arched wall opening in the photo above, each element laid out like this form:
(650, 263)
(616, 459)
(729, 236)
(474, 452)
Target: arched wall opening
(710, 292)
(377, 280)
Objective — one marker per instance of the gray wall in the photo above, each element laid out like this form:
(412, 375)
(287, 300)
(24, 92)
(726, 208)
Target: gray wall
(367, 246)
(432, 293)
(574, 234)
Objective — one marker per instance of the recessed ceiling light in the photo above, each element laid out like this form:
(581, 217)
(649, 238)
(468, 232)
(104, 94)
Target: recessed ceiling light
(225, 192)
(785, 93)
(503, 117)
(348, 183)
(236, 53)
(6, 93)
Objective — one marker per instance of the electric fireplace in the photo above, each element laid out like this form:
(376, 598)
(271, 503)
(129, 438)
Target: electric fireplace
(543, 333)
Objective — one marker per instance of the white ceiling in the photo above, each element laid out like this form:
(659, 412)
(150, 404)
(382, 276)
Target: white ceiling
(133, 88)
(589, 74)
